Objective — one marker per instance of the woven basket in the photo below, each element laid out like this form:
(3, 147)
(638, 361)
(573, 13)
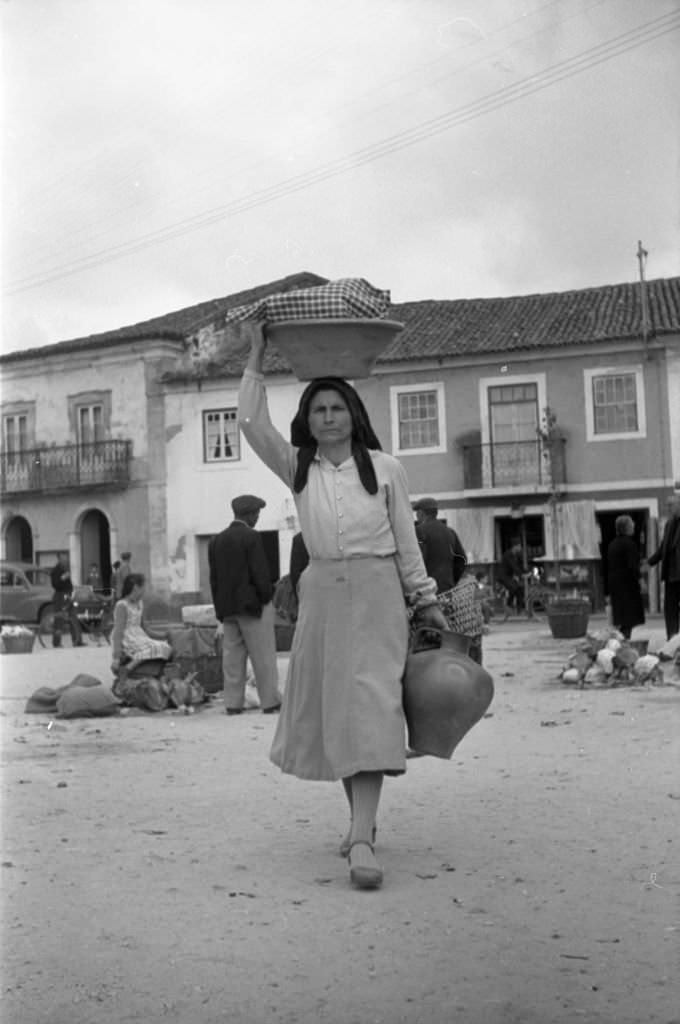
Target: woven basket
(18, 644)
(568, 618)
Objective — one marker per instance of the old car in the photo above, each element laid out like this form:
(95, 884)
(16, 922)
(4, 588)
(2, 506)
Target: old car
(25, 593)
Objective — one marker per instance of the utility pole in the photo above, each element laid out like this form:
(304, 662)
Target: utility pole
(644, 306)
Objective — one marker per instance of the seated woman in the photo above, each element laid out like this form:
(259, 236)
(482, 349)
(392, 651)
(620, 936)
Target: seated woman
(131, 642)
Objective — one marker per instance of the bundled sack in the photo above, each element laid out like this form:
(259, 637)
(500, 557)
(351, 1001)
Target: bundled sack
(46, 701)
(158, 693)
(82, 699)
(183, 691)
(147, 693)
(347, 298)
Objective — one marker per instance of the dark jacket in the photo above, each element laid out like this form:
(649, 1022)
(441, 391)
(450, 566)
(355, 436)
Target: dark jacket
(240, 582)
(668, 552)
(511, 567)
(442, 553)
(63, 586)
(623, 583)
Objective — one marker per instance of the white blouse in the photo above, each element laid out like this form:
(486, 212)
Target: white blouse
(338, 517)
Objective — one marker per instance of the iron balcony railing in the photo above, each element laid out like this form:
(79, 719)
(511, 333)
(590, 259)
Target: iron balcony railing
(513, 464)
(101, 464)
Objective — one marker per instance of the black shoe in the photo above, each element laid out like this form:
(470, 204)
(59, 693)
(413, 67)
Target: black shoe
(234, 711)
(81, 643)
(271, 711)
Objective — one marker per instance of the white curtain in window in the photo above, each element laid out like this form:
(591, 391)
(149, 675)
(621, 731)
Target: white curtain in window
(475, 528)
(579, 535)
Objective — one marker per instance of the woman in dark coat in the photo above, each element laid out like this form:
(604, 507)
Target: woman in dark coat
(623, 578)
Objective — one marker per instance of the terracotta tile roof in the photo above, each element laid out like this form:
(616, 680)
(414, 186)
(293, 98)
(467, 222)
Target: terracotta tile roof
(439, 327)
(172, 326)
(464, 326)
(436, 327)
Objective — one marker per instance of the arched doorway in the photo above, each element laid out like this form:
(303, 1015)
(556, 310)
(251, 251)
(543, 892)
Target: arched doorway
(95, 545)
(18, 540)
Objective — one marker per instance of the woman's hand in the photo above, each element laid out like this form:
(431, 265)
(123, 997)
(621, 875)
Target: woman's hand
(115, 666)
(432, 617)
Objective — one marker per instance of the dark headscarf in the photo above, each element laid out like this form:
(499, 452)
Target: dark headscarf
(363, 436)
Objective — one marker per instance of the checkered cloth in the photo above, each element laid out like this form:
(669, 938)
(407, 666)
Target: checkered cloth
(348, 298)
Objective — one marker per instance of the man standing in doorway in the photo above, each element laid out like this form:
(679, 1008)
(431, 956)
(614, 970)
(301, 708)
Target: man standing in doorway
(61, 602)
(242, 592)
(668, 553)
(511, 574)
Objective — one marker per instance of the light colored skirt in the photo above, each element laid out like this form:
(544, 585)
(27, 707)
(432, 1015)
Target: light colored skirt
(342, 707)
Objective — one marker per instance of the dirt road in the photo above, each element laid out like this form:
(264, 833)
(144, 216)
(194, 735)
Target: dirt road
(158, 868)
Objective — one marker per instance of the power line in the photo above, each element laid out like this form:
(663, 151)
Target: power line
(313, 129)
(567, 68)
(87, 232)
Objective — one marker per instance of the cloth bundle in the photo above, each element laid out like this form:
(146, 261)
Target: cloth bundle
(347, 298)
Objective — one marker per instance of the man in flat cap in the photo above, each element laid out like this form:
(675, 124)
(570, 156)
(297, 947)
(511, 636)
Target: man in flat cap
(242, 592)
(441, 548)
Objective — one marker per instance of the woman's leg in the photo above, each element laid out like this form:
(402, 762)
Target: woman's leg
(366, 789)
(347, 786)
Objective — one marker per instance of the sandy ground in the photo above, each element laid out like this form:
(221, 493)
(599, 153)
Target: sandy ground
(159, 868)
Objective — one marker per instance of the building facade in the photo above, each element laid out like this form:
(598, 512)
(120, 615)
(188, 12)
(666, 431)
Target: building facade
(130, 439)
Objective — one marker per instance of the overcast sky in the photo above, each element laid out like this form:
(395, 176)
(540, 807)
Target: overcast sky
(158, 153)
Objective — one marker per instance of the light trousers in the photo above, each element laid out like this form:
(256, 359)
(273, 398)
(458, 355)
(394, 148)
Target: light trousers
(248, 637)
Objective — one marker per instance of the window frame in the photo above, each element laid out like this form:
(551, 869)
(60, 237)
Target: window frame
(14, 410)
(589, 375)
(88, 399)
(403, 389)
(485, 383)
(231, 460)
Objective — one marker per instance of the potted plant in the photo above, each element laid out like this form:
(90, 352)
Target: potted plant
(567, 616)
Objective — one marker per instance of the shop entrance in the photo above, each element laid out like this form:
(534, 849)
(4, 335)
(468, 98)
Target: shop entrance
(529, 530)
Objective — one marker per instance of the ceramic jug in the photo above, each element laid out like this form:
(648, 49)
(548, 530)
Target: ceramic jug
(444, 692)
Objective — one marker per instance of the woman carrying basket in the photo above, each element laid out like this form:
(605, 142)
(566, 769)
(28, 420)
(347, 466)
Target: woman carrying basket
(342, 714)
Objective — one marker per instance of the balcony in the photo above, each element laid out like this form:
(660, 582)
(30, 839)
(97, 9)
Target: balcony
(102, 465)
(516, 467)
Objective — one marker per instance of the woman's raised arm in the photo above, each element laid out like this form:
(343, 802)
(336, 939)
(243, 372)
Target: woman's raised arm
(253, 413)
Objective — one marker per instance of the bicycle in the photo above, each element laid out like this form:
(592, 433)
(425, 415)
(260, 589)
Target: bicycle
(93, 610)
(537, 595)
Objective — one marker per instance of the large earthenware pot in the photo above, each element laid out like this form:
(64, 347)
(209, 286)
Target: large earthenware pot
(445, 693)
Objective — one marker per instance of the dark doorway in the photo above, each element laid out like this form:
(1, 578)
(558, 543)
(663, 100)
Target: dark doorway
(19, 540)
(95, 546)
(530, 531)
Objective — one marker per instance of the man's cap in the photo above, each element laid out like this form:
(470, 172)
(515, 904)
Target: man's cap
(425, 505)
(245, 503)
(126, 555)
